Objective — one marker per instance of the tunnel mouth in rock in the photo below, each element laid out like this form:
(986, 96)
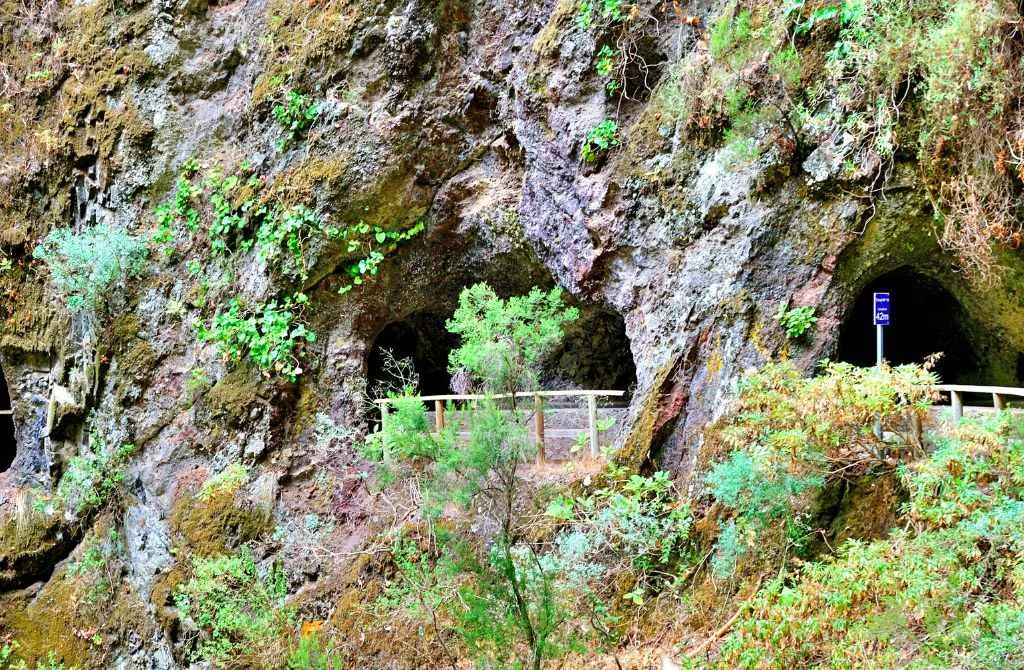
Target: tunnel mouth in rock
(420, 337)
(8, 443)
(594, 354)
(926, 318)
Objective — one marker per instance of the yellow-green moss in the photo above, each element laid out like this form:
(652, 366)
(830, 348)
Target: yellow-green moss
(216, 519)
(231, 397)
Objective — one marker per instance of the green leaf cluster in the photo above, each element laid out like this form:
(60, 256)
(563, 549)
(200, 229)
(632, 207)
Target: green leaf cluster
(236, 607)
(797, 322)
(600, 138)
(85, 266)
(296, 114)
(504, 342)
(270, 335)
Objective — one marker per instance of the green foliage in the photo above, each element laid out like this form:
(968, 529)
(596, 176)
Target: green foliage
(373, 244)
(284, 236)
(607, 66)
(99, 566)
(500, 599)
(600, 138)
(226, 482)
(315, 653)
(938, 77)
(944, 589)
(634, 529)
(788, 435)
(86, 266)
(599, 12)
(235, 207)
(798, 321)
(95, 476)
(296, 114)
(270, 336)
(237, 607)
(504, 342)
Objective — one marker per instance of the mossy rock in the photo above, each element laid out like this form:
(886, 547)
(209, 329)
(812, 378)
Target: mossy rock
(218, 521)
(230, 399)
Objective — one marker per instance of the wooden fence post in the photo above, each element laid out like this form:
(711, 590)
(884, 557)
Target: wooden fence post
(439, 415)
(538, 425)
(592, 424)
(385, 453)
(957, 400)
(997, 402)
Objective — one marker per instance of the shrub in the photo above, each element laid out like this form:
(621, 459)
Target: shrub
(236, 608)
(798, 321)
(269, 336)
(94, 477)
(87, 266)
(507, 603)
(947, 581)
(786, 436)
(505, 341)
(600, 138)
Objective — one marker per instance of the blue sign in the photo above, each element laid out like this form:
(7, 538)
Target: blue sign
(881, 314)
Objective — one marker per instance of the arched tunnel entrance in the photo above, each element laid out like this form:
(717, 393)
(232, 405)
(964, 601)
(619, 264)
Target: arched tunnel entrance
(595, 354)
(420, 337)
(8, 444)
(926, 319)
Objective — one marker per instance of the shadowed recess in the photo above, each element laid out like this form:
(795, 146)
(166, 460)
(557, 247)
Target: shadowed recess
(925, 319)
(8, 445)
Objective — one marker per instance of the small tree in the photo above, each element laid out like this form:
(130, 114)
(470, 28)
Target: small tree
(507, 604)
(505, 341)
(85, 266)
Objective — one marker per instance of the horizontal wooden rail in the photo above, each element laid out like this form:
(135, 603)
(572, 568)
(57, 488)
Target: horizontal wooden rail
(956, 395)
(538, 407)
(519, 394)
(6, 412)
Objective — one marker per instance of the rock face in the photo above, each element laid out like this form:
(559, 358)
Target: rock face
(467, 115)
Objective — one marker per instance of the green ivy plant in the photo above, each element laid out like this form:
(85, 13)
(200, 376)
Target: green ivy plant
(270, 336)
(604, 12)
(607, 63)
(601, 138)
(373, 244)
(798, 321)
(296, 114)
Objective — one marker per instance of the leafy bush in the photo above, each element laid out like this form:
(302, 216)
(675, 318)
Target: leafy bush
(944, 590)
(788, 435)
(798, 321)
(94, 477)
(600, 138)
(504, 341)
(269, 336)
(86, 266)
(235, 607)
(296, 114)
(508, 603)
(937, 77)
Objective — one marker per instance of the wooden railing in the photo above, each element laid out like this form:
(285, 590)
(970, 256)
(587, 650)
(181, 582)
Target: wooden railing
(538, 410)
(956, 395)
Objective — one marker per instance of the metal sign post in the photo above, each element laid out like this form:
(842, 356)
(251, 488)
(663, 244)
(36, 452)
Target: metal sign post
(881, 320)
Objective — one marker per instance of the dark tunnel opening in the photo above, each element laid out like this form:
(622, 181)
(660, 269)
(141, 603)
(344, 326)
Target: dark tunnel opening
(925, 319)
(420, 337)
(8, 443)
(595, 354)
